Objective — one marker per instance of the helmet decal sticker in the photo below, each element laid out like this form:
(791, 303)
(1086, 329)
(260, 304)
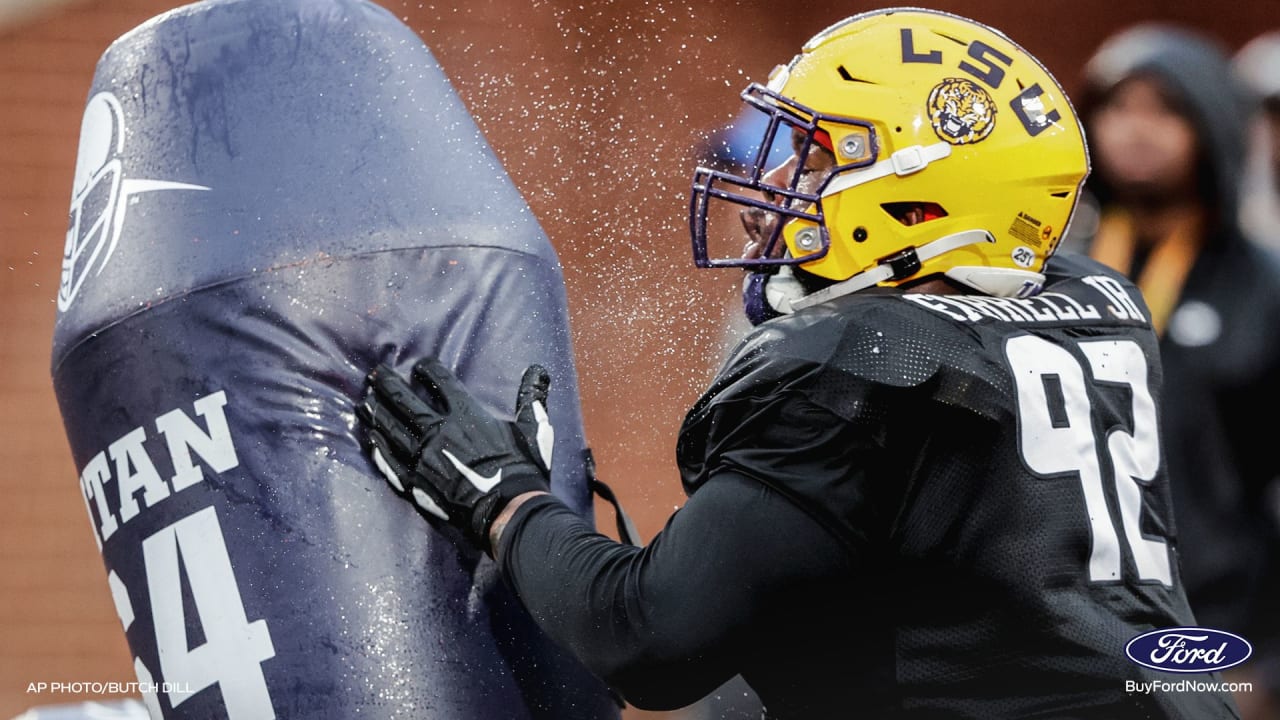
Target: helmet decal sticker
(1028, 229)
(961, 111)
(1023, 256)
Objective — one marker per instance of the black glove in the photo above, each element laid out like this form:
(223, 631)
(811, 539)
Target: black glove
(448, 454)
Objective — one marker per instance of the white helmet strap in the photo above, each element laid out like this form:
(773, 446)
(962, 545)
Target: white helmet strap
(903, 162)
(894, 266)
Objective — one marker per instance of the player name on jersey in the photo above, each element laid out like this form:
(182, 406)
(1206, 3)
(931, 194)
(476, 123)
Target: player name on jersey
(112, 479)
(1046, 307)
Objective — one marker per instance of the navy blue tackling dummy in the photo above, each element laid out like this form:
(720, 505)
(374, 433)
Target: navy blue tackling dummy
(270, 198)
(930, 482)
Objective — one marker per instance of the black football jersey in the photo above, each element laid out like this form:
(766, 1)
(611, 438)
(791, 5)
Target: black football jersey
(995, 466)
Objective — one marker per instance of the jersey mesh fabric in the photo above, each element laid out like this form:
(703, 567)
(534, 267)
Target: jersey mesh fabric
(895, 422)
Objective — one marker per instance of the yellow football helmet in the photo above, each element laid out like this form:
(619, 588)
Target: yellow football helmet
(956, 152)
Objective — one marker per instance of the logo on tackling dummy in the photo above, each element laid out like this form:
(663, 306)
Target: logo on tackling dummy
(961, 111)
(100, 195)
(1188, 650)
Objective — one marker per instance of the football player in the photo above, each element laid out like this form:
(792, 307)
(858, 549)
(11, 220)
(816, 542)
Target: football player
(929, 483)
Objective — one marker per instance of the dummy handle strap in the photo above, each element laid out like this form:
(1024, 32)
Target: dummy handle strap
(626, 529)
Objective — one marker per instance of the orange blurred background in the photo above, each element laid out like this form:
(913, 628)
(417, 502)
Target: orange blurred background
(596, 109)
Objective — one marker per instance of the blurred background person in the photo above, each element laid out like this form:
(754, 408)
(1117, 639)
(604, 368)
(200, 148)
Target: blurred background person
(1257, 65)
(1167, 127)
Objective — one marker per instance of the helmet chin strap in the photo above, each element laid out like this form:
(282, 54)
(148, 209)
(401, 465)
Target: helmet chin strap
(783, 289)
(768, 295)
(899, 265)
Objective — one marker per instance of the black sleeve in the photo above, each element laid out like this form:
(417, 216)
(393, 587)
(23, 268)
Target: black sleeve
(669, 623)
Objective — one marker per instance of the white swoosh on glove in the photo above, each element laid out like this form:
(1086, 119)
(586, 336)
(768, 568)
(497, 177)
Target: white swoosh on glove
(482, 483)
(546, 433)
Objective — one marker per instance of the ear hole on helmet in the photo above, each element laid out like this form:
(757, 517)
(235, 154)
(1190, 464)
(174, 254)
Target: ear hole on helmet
(914, 213)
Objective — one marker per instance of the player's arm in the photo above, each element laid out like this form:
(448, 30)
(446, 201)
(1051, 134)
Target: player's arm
(665, 624)
(504, 519)
(668, 623)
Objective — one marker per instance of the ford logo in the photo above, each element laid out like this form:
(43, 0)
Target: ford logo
(1188, 650)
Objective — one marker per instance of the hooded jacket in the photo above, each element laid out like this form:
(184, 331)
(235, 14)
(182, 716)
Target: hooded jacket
(1220, 348)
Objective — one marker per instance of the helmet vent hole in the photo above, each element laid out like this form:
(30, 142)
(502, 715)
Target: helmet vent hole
(914, 213)
(844, 73)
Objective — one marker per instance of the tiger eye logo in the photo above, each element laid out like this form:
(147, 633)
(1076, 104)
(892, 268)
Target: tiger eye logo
(961, 112)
